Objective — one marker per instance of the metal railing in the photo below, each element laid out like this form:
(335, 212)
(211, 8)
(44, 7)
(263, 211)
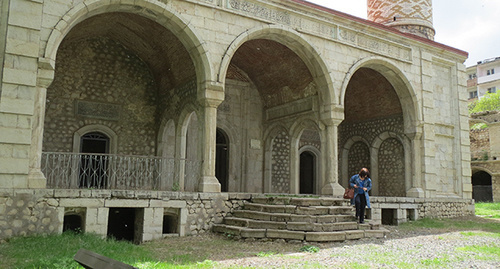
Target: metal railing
(107, 171)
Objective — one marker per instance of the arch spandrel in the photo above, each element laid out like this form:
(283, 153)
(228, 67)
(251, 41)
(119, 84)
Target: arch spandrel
(296, 43)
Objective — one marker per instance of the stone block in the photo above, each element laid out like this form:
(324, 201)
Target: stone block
(253, 233)
(267, 225)
(325, 236)
(175, 204)
(351, 235)
(300, 226)
(126, 203)
(67, 193)
(374, 233)
(82, 202)
(283, 234)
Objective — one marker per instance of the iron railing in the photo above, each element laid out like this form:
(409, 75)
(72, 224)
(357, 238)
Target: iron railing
(107, 171)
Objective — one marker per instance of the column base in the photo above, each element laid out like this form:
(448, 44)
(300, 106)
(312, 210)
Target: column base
(415, 193)
(334, 189)
(37, 180)
(209, 184)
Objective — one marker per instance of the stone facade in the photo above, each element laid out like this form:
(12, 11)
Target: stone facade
(156, 79)
(485, 155)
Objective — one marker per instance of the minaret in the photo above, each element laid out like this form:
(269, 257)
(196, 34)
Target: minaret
(408, 16)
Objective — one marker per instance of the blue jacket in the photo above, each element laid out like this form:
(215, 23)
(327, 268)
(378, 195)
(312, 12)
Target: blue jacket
(367, 183)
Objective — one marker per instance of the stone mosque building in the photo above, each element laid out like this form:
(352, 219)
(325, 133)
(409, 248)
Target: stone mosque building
(177, 111)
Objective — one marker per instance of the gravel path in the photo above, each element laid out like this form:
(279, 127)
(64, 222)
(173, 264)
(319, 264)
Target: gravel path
(408, 249)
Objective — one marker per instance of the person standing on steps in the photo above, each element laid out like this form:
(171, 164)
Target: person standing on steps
(362, 184)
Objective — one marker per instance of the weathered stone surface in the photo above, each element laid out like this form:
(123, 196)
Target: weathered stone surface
(325, 236)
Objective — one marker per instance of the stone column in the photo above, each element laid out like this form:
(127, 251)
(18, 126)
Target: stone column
(210, 98)
(36, 178)
(330, 155)
(415, 164)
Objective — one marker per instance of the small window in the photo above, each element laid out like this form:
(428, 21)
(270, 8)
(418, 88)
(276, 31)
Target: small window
(472, 94)
(492, 90)
(472, 76)
(490, 71)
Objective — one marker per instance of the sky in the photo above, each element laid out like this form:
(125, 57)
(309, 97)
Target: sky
(468, 25)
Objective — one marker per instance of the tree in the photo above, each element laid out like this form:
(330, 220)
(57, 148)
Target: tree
(489, 102)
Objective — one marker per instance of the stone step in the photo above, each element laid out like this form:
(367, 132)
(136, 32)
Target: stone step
(289, 217)
(292, 226)
(243, 232)
(300, 201)
(299, 210)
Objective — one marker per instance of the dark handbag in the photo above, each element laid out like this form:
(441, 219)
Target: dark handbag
(349, 193)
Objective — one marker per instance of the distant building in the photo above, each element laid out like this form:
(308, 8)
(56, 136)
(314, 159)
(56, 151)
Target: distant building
(483, 78)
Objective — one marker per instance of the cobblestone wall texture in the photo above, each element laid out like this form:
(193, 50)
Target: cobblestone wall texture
(391, 169)
(103, 73)
(390, 155)
(281, 163)
(359, 157)
(479, 144)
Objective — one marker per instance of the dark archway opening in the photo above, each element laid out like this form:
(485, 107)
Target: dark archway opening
(222, 160)
(482, 190)
(121, 223)
(93, 165)
(73, 223)
(307, 172)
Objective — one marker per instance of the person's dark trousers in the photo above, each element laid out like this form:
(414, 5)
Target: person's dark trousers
(360, 207)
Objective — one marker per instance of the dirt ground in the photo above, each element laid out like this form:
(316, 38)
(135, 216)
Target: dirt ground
(220, 248)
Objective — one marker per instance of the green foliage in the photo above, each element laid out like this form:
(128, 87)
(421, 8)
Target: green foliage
(309, 248)
(479, 126)
(489, 102)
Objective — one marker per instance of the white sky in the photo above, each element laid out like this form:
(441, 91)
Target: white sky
(469, 25)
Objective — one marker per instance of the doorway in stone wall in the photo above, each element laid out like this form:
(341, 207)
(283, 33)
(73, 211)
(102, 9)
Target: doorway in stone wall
(482, 190)
(307, 173)
(93, 164)
(222, 159)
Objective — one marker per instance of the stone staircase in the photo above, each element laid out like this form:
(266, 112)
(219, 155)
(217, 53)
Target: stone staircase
(295, 218)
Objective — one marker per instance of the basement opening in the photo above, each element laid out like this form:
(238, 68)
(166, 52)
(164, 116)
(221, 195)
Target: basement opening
(171, 221)
(389, 216)
(74, 220)
(126, 224)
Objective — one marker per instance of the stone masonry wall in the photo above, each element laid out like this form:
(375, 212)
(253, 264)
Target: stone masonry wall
(99, 81)
(390, 155)
(281, 163)
(391, 167)
(25, 212)
(479, 144)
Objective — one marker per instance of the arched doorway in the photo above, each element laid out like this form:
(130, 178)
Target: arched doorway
(482, 190)
(222, 159)
(307, 173)
(93, 164)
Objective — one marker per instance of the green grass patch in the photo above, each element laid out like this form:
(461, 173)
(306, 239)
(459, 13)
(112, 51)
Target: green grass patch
(488, 210)
(57, 251)
(450, 225)
(309, 248)
(491, 252)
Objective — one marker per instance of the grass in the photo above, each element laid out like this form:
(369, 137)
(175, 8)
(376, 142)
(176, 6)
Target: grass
(488, 210)
(57, 251)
